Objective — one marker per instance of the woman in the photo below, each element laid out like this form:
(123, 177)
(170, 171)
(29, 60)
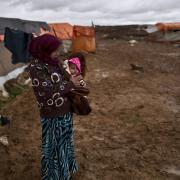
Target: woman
(51, 89)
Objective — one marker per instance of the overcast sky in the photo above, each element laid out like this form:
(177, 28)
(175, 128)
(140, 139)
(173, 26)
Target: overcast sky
(102, 12)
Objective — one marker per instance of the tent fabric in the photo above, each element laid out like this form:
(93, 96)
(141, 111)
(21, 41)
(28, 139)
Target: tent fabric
(83, 39)
(168, 26)
(23, 25)
(63, 31)
(83, 31)
(84, 44)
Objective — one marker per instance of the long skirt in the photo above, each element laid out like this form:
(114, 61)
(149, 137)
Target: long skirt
(58, 156)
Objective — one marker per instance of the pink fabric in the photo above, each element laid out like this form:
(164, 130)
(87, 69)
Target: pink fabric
(76, 61)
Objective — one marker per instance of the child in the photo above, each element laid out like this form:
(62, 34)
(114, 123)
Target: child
(76, 65)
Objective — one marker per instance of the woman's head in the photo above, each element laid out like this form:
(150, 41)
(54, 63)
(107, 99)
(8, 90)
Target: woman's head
(77, 64)
(45, 48)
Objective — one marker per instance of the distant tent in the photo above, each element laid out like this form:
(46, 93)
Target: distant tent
(63, 31)
(168, 26)
(27, 26)
(166, 33)
(83, 39)
(23, 25)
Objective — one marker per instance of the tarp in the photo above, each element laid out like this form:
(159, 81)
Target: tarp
(6, 65)
(87, 31)
(63, 31)
(23, 25)
(166, 33)
(83, 39)
(168, 26)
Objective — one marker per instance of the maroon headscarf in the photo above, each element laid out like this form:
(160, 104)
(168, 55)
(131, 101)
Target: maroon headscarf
(42, 46)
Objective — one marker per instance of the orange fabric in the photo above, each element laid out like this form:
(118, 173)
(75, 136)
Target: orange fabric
(83, 39)
(62, 31)
(87, 44)
(83, 31)
(168, 26)
(1, 37)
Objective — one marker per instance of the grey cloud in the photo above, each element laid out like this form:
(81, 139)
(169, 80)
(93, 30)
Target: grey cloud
(100, 11)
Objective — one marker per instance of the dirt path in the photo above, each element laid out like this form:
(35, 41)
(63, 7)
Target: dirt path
(134, 129)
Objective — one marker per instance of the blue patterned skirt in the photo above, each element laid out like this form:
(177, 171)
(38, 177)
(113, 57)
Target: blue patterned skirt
(58, 157)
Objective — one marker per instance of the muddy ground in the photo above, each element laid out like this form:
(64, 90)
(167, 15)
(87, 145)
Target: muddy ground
(133, 132)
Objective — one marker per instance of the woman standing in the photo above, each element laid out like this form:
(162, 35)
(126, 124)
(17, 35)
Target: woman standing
(51, 89)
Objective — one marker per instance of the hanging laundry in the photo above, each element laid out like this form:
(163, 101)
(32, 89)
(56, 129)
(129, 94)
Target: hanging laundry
(17, 42)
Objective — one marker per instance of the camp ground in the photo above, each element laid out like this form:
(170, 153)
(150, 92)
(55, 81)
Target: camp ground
(133, 132)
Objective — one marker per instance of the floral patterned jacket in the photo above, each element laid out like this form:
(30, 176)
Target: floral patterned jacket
(50, 88)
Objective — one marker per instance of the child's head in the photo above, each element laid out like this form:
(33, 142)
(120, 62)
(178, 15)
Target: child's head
(77, 64)
(74, 66)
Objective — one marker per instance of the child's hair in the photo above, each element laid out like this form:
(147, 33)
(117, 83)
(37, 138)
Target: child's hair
(82, 61)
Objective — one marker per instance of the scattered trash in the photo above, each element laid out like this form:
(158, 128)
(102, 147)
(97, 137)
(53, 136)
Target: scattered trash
(105, 35)
(4, 140)
(98, 138)
(177, 45)
(105, 74)
(27, 81)
(9, 76)
(22, 78)
(138, 68)
(150, 28)
(132, 41)
(4, 120)
(172, 170)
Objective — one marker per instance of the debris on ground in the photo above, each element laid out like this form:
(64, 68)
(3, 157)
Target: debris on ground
(4, 140)
(4, 120)
(137, 68)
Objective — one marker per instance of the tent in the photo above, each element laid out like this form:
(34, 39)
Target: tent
(27, 26)
(166, 33)
(63, 31)
(83, 39)
(23, 25)
(168, 26)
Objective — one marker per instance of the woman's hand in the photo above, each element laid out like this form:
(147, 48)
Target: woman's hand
(76, 80)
